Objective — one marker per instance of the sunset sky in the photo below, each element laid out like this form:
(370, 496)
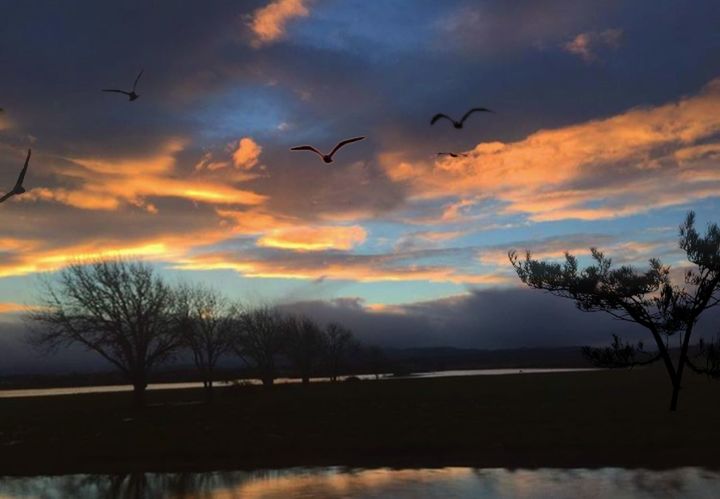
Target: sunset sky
(606, 131)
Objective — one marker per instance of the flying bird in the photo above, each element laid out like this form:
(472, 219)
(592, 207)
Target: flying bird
(327, 158)
(459, 124)
(452, 154)
(18, 189)
(131, 94)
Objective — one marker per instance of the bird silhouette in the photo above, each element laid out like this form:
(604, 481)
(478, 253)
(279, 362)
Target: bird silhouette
(327, 158)
(18, 189)
(459, 124)
(131, 94)
(452, 154)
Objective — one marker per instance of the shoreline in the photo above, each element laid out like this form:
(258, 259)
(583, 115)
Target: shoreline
(87, 389)
(583, 420)
(540, 460)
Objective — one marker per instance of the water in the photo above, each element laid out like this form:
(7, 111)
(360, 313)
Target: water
(492, 372)
(41, 392)
(335, 483)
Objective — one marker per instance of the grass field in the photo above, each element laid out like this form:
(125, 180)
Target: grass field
(591, 419)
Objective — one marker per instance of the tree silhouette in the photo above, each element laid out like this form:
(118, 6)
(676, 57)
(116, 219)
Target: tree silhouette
(118, 309)
(257, 337)
(649, 298)
(375, 360)
(304, 344)
(339, 342)
(205, 328)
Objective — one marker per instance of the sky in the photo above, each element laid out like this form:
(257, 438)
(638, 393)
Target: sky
(606, 132)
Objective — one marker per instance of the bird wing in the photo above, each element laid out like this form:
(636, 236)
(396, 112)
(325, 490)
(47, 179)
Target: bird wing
(116, 91)
(440, 115)
(473, 110)
(137, 79)
(343, 143)
(6, 196)
(21, 177)
(306, 148)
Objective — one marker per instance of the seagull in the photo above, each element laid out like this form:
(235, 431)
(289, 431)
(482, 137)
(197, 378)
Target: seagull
(452, 154)
(459, 124)
(18, 189)
(131, 94)
(327, 158)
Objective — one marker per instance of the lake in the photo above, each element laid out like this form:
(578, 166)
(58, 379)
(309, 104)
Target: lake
(354, 483)
(41, 392)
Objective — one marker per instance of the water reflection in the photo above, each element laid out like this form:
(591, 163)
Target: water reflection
(74, 390)
(331, 483)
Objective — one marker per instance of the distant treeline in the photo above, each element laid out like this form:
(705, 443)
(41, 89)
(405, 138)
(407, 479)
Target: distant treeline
(133, 318)
(382, 362)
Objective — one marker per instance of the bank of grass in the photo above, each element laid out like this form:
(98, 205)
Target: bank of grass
(588, 419)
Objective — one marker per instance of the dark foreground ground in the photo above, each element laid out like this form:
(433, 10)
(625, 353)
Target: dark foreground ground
(593, 419)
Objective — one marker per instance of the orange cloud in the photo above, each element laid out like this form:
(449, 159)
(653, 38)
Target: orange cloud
(207, 163)
(4, 121)
(254, 221)
(10, 308)
(606, 168)
(22, 256)
(353, 268)
(585, 44)
(105, 184)
(247, 153)
(454, 211)
(34, 257)
(268, 23)
(311, 238)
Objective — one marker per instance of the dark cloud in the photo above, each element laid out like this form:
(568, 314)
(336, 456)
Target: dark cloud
(483, 319)
(487, 319)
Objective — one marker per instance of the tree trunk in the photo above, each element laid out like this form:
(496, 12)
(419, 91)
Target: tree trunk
(139, 393)
(267, 381)
(680, 368)
(675, 395)
(305, 379)
(209, 390)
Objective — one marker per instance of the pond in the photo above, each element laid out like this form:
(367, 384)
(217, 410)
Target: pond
(71, 390)
(356, 483)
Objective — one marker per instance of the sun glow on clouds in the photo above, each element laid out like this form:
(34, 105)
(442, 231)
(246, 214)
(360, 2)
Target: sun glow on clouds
(268, 23)
(585, 45)
(358, 268)
(247, 153)
(600, 169)
(314, 238)
(105, 184)
(34, 258)
(10, 308)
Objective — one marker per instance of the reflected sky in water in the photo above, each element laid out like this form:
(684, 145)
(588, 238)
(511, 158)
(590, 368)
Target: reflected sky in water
(332, 483)
(73, 390)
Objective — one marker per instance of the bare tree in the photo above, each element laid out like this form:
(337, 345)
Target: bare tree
(376, 360)
(648, 298)
(304, 345)
(339, 342)
(118, 309)
(257, 337)
(205, 329)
